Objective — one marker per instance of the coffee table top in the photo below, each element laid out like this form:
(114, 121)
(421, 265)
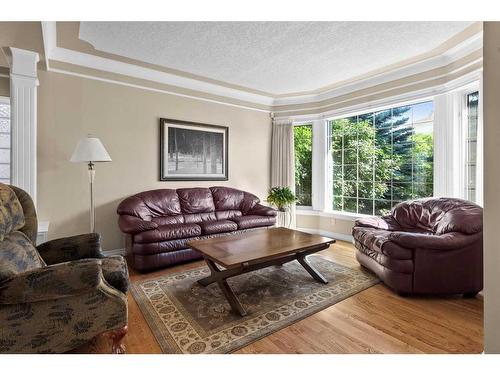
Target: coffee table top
(257, 245)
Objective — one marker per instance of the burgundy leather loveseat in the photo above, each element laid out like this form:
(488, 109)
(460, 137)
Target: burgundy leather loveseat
(159, 223)
(427, 246)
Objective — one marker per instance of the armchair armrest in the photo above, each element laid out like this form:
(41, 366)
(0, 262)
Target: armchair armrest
(52, 282)
(133, 225)
(71, 248)
(262, 210)
(384, 222)
(448, 241)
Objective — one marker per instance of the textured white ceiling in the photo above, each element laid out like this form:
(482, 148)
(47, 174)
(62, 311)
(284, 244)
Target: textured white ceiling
(276, 57)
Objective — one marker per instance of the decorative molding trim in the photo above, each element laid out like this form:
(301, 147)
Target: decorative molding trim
(112, 252)
(405, 84)
(118, 67)
(149, 88)
(23, 93)
(432, 63)
(49, 37)
(409, 97)
(337, 236)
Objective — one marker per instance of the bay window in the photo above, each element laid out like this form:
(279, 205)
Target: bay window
(379, 159)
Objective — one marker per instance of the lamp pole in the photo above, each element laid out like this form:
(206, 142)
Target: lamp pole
(92, 204)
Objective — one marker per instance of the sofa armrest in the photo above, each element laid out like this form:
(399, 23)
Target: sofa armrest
(384, 222)
(71, 248)
(262, 210)
(53, 282)
(133, 225)
(448, 241)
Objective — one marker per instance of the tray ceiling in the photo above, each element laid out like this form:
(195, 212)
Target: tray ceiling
(273, 57)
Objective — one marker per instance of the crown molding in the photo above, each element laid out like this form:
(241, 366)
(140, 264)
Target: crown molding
(406, 98)
(307, 101)
(49, 37)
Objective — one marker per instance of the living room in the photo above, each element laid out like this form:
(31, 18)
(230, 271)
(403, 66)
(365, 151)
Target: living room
(234, 187)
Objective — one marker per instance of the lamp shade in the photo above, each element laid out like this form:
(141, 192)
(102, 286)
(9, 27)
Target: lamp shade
(89, 149)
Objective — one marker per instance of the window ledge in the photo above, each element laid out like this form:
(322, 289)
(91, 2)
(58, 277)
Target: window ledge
(335, 214)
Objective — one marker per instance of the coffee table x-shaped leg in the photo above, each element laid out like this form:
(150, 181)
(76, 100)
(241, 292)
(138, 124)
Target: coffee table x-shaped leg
(220, 276)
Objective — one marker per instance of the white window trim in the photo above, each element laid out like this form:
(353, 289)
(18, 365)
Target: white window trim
(463, 125)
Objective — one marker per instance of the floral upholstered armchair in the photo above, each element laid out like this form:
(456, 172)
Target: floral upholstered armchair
(59, 295)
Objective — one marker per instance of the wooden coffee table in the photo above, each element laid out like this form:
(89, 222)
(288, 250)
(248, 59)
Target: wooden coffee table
(250, 251)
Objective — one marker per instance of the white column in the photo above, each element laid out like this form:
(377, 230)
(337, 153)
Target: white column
(23, 90)
(320, 192)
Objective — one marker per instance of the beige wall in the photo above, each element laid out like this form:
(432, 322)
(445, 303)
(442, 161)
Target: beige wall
(491, 94)
(4, 86)
(329, 224)
(126, 119)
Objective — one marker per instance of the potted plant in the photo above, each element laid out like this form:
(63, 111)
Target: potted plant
(281, 197)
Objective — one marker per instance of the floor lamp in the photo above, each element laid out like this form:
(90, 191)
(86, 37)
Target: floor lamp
(90, 150)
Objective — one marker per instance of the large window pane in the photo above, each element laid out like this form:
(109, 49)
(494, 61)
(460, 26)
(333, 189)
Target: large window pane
(382, 158)
(471, 145)
(5, 142)
(303, 164)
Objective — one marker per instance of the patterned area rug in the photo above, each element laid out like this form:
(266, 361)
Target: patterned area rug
(188, 318)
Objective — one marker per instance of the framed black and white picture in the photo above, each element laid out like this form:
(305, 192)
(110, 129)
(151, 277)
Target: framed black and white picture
(191, 151)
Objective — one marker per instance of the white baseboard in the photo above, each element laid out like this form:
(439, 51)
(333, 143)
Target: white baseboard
(114, 252)
(337, 236)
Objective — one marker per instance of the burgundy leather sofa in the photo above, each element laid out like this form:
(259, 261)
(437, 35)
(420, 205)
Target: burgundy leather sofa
(425, 246)
(159, 223)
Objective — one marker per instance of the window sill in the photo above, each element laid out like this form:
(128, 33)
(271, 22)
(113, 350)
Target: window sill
(334, 214)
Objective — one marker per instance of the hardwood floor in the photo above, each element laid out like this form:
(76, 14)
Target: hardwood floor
(373, 321)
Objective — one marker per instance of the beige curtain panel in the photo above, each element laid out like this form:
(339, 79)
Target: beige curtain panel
(283, 164)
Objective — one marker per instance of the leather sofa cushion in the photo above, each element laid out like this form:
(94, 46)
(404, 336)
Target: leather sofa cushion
(254, 221)
(226, 198)
(398, 265)
(439, 215)
(379, 241)
(168, 232)
(249, 202)
(149, 204)
(467, 219)
(196, 200)
(219, 226)
(227, 215)
(199, 218)
(167, 220)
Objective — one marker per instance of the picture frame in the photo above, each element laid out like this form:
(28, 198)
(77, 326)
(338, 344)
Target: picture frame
(192, 151)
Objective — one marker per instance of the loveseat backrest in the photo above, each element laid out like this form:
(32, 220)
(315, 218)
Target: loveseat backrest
(439, 215)
(188, 204)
